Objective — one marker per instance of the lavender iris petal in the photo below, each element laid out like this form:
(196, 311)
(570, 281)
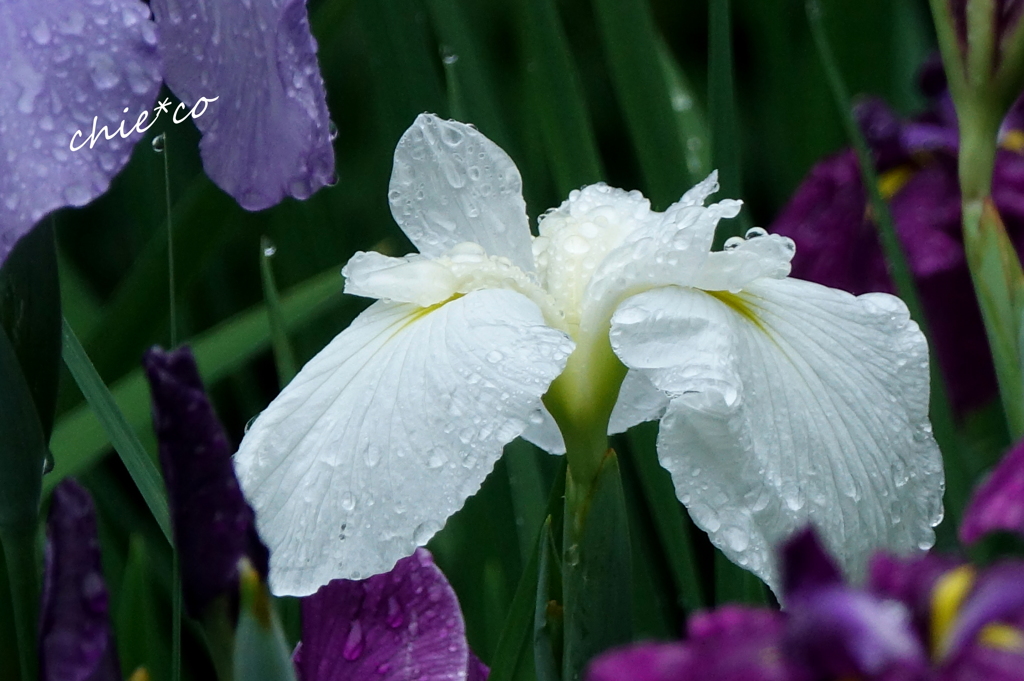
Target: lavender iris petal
(64, 63)
(267, 134)
(213, 525)
(76, 642)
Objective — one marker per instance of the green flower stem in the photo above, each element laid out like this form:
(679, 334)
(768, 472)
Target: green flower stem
(596, 566)
(979, 122)
(581, 400)
(999, 285)
(22, 571)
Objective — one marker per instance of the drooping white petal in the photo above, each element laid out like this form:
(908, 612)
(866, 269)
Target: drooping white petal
(543, 432)
(639, 401)
(386, 432)
(791, 402)
(450, 184)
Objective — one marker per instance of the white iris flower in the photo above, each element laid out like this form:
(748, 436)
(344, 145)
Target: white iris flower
(780, 400)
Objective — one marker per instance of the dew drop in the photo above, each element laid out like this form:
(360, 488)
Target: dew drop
(424, 531)
(269, 249)
(733, 242)
(348, 501)
(756, 232)
(353, 647)
(494, 356)
(332, 131)
(159, 142)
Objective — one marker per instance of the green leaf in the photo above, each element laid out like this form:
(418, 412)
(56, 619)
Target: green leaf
(596, 580)
(19, 548)
(22, 444)
(631, 49)
(79, 440)
(943, 423)
(284, 357)
(141, 641)
(527, 488)
(690, 119)
(512, 658)
(561, 106)
(725, 128)
(733, 584)
(260, 648)
(462, 59)
(30, 313)
(547, 614)
(138, 462)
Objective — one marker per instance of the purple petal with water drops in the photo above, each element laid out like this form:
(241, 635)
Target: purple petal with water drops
(76, 642)
(268, 133)
(403, 624)
(732, 643)
(998, 503)
(66, 62)
(213, 525)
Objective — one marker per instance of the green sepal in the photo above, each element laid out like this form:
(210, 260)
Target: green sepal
(260, 648)
(596, 568)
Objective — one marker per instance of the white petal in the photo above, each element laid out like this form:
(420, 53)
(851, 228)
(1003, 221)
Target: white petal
(791, 402)
(544, 432)
(451, 184)
(732, 270)
(410, 279)
(386, 432)
(639, 401)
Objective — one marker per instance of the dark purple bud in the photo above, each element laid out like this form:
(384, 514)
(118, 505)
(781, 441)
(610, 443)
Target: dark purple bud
(806, 565)
(64, 63)
(998, 503)
(76, 642)
(403, 624)
(266, 134)
(213, 525)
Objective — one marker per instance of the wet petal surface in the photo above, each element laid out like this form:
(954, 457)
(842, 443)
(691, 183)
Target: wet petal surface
(267, 135)
(66, 62)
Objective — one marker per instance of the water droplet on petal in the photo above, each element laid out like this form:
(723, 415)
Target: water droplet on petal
(424, 531)
(332, 131)
(756, 232)
(494, 356)
(348, 501)
(733, 242)
(353, 647)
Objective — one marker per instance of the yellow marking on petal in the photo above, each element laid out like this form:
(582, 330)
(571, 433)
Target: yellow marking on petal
(740, 306)
(947, 598)
(1002, 637)
(891, 181)
(1013, 141)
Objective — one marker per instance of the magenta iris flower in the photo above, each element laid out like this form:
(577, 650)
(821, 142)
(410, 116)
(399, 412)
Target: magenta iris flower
(399, 625)
(837, 244)
(925, 618)
(76, 642)
(71, 66)
(213, 525)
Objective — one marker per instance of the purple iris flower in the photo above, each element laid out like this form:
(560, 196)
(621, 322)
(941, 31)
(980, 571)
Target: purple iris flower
(998, 502)
(213, 525)
(926, 618)
(837, 244)
(403, 624)
(76, 642)
(78, 80)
